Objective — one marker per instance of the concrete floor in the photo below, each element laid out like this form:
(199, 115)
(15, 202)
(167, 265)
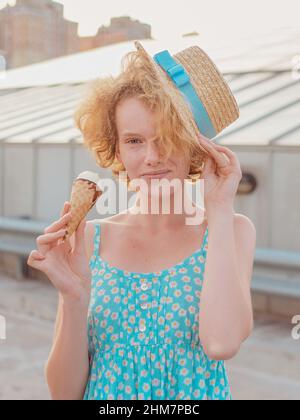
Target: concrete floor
(267, 366)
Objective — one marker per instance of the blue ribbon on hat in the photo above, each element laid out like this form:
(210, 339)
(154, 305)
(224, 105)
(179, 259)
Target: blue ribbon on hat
(182, 80)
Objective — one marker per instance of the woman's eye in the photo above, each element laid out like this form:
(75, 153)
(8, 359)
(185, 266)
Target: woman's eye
(130, 140)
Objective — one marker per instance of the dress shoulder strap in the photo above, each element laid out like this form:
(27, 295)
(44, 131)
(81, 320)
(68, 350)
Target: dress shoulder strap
(205, 242)
(97, 234)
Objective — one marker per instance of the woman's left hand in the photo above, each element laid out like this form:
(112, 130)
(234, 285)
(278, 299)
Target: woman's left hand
(221, 174)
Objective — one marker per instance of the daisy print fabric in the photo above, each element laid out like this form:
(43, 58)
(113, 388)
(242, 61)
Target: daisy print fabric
(143, 334)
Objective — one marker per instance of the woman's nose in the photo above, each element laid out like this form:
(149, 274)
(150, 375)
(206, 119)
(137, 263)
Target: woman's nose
(153, 153)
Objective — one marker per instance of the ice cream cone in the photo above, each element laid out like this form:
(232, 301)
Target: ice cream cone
(85, 192)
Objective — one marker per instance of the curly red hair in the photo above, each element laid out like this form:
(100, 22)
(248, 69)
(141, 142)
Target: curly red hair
(95, 116)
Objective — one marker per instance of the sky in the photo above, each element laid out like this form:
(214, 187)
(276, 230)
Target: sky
(169, 18)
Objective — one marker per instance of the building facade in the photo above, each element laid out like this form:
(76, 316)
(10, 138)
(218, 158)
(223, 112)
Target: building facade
(121, 29)
(36, 30)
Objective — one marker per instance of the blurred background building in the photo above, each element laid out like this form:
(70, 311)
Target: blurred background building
(120, 29)
(36, 30)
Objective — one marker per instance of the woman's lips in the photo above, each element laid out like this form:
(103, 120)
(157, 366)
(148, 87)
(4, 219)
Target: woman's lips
(162, 175)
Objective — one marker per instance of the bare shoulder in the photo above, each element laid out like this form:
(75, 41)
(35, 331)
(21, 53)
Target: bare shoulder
(90, 230)
(244, 227)
(245, 238)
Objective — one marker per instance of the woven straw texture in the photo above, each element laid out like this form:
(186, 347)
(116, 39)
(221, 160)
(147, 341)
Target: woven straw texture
(208, 82)
(84, 195)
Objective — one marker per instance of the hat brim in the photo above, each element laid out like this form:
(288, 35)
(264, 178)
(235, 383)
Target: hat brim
(208, 82)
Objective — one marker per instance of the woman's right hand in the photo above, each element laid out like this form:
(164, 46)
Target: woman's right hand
(67, 268)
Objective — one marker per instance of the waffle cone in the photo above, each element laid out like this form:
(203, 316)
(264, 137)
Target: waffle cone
(84, 195)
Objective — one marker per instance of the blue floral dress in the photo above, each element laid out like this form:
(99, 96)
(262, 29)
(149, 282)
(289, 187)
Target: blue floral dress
(143, 334)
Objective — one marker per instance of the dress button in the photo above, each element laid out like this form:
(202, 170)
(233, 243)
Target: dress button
(144, 305)
(142, 327)
(144, 286)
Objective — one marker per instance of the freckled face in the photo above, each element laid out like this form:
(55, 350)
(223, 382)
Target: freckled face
(137, 146)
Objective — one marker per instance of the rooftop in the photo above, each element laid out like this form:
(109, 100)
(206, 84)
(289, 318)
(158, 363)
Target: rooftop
(38, 101)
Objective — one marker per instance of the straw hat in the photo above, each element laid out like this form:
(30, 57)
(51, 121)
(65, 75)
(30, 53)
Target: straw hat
(206, 93)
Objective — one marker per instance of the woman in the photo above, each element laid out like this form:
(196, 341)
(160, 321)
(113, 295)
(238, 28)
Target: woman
(130, 321)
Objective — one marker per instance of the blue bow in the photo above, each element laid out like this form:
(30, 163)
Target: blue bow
(182, 80)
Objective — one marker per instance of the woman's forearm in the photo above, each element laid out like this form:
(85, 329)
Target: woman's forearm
(224, 308)
(67, 367)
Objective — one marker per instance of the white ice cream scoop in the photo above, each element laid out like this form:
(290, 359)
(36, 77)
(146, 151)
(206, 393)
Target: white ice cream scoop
(90, 176)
